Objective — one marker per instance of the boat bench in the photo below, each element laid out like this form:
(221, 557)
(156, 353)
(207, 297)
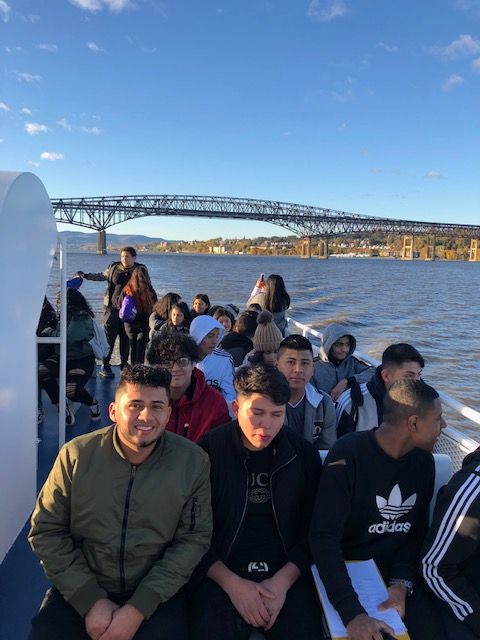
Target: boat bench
(443, 473)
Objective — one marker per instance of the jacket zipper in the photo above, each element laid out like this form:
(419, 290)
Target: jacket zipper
(273, 502)
(123, 588)
(243, 513)
(193, 513)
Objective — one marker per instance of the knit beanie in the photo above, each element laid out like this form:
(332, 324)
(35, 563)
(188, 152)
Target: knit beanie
(267, 335)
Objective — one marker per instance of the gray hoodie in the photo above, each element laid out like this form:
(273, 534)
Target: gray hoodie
(327, 373)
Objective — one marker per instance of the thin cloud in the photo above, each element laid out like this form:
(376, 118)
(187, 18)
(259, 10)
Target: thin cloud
(434, 175)
(64, 124)
(376, 170)
(463, 47)
(326, 10)
(5, 11)
(29, 77)
(33, 163)
(34, 128)
(26, 111)
(476, 65)
(46, 46)
(93, 130)
(30, 18)
(452, 81)
(389, 48)
(4, 107)
(114, 6)
(51, 156)
(93, 46)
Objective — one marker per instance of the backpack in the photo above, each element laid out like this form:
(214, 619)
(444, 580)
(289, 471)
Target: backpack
(128, 310)
(99, 342)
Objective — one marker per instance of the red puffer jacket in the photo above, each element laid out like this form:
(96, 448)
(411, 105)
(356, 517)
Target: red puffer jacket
(198, 410)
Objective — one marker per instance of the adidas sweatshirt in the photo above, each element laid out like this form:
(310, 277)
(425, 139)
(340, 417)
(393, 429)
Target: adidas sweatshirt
(369, 505)
(451, 554)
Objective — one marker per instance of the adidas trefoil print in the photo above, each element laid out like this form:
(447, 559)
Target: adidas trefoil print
(391, 509)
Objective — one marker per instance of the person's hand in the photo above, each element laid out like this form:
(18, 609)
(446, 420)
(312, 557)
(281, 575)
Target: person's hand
(274, 605)
(397, 594)
(338, 389)
(260, 283)
(249, 598)
(79, 274)
(125, 623)
(362, 627)
(99, 617)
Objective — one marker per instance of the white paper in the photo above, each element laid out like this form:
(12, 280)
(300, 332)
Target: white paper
(371, 591)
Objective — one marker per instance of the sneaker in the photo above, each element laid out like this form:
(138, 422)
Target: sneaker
(39, 416)
(106, 371)
(94, 411)
(69, 417)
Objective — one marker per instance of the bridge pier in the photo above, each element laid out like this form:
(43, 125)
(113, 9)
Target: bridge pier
(323, 248)
(101, 242)
(430, 248)
(408, 248)
(474, 250)
(307, 247)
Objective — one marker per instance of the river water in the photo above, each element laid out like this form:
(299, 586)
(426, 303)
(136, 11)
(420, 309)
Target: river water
(432, 305)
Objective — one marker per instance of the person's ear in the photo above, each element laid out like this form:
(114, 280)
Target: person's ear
(235, 407)
(112, 411)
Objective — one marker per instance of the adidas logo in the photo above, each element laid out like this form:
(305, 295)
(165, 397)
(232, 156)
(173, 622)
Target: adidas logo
(391, 509)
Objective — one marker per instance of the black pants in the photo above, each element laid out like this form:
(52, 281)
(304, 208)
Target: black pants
(213, 616)
(49, 371)
(137, 334)
(58, 620)
(114, 327)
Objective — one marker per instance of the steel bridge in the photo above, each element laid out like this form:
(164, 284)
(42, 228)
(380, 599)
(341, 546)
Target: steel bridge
(100, 213)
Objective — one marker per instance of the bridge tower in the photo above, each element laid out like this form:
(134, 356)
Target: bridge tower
(408, 248)
(306, 247)
(430, 248)
(474, 250)
(323, 248)
(101, 242)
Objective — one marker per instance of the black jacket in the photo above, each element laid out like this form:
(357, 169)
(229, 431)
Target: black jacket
(294, 477)
(237, 345)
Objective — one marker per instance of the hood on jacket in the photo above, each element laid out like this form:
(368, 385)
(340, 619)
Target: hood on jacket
(202, 325)
(331, 334)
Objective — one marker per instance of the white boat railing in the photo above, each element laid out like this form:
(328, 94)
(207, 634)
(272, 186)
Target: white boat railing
(452, 441)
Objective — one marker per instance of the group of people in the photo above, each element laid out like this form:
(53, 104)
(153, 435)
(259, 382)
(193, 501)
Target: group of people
(198, 515)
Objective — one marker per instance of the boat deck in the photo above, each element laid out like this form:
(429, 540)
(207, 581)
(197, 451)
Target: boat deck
(22, 580)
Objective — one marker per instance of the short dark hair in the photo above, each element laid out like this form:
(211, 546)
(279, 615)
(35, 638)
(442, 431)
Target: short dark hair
(406, 398)
(131, 250)
(398, 354)
(254, 306)
(145, 376)
(169, 345)
(246, 323)
(295, 342)
(265, 380)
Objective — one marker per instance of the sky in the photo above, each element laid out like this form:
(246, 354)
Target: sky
(366, 106)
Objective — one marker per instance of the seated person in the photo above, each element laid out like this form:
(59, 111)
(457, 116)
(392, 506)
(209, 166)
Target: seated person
(361, 406)
(216, 364)
(225, 317)
(373, 501)
(266, 341)
(310, 412)
(338, 368)
(451, 552)
(178, 319)
(263, 478)
(122, 521)
(196, 407)
(161, 312)
(239, 341)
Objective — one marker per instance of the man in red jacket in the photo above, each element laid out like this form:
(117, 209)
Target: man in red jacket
(196, 407)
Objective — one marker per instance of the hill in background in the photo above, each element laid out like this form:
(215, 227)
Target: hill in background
(78, 241)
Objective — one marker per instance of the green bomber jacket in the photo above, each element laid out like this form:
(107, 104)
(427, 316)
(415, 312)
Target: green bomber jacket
(102, 525)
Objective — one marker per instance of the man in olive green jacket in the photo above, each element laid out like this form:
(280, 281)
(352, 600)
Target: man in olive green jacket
(121, 522)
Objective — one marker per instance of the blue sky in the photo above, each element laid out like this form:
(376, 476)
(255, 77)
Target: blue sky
(364, 106)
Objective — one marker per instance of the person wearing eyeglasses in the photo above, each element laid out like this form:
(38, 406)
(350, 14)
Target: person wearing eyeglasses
(196, 406)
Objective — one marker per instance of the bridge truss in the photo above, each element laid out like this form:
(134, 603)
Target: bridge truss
(101, 213)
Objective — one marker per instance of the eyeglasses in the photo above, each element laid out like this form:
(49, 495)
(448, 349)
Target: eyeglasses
(182, 361)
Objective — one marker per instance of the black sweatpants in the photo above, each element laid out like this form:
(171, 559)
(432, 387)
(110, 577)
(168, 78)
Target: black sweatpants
(115, 327)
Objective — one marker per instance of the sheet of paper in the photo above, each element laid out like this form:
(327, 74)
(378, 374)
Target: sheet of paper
(371, 591)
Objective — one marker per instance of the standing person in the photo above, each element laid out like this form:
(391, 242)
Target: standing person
(372, 502)
(47, 323)
(264, 478)
(117, 275)
(272, 295)
(200, 305)
(80, 358)
(140, 289)
(161, 311)
(196, 406)
(338, 368)
(121, 522)
(178, 321)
